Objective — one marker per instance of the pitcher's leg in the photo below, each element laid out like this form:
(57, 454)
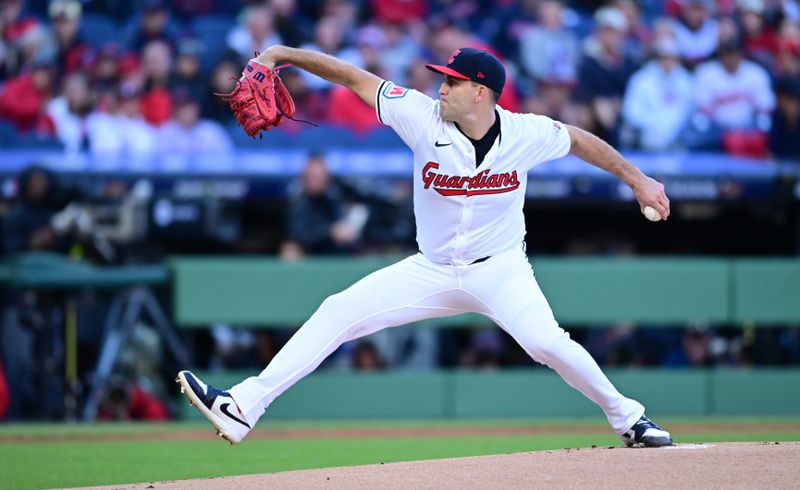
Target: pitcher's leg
(513, 299)
(411, 290)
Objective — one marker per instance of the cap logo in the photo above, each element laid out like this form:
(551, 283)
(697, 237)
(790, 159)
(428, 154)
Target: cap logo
(477, 65)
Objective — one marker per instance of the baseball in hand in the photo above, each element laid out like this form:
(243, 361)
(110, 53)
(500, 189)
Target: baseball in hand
(651, 214)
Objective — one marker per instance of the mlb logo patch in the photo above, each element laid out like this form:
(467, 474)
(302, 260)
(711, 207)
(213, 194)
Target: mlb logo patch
(392, 91)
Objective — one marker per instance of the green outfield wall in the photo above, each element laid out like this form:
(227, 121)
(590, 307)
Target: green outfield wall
(263, 292)
(522, 393)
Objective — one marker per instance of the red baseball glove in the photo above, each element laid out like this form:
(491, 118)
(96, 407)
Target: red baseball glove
(260, 99)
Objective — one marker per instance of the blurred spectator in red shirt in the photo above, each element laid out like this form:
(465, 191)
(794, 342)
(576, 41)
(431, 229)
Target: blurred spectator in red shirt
(157, 70)
(760, 39)
(23, 99)
(12, 22)
(73, 54)
(399, 11)
(123, 399)
(346, 108)
(312, 105)
(349, 111)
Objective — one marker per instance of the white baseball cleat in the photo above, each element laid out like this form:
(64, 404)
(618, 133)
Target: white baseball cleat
(646, 432)
(218, 406)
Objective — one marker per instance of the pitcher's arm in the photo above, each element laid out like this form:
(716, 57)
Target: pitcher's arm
(362, 82)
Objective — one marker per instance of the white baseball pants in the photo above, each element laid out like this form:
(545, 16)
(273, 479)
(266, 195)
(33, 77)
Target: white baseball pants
(502, 288)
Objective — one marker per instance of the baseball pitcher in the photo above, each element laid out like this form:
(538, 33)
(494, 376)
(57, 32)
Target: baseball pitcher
(471, 161)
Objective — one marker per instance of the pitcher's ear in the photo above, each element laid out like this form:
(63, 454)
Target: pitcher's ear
(482, 93)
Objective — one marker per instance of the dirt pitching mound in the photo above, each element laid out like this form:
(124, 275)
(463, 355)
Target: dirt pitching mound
(709, 466)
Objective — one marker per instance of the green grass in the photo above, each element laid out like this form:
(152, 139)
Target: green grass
(82, 463)
(134, 428)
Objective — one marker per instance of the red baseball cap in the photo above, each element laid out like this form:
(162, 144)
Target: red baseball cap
(476, 65)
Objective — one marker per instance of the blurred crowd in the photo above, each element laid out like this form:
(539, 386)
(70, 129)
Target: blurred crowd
(137, 77)
(476, 347)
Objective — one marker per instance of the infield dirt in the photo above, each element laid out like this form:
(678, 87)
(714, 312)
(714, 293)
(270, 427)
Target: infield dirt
(710, 466)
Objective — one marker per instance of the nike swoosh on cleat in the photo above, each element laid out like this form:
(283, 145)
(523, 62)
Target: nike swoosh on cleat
(224, 409)
(439, 145)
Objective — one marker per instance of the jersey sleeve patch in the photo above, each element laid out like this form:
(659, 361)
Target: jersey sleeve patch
(392, 91)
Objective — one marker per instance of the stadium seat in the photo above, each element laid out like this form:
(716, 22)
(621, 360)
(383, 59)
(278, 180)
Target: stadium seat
(327, 136)
(746, 143)
(242, 141)
(324, 136)
(8, 134)
(33, 141)
(212, 31)
(381, 138)
(98, 29)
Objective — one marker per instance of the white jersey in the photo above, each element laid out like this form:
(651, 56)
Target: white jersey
(463, 212)
(733, 100)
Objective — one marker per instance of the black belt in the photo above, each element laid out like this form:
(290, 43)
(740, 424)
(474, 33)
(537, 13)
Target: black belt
(484, 259)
